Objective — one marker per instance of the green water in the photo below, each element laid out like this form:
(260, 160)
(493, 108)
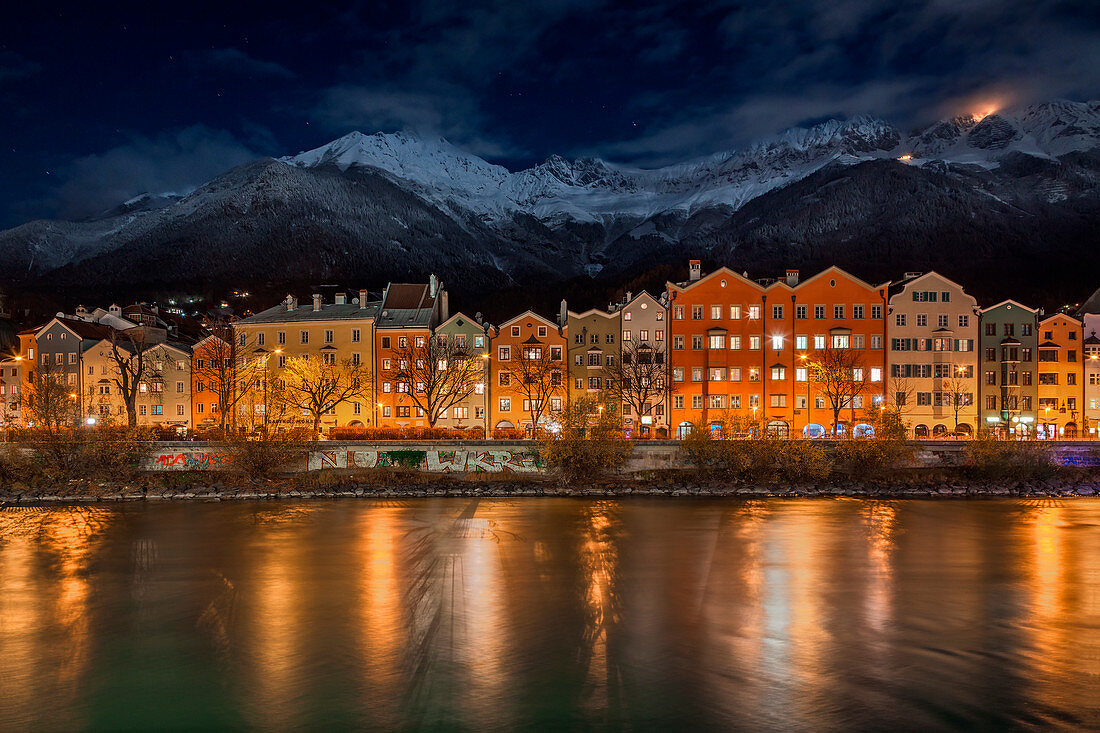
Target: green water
(552, 614)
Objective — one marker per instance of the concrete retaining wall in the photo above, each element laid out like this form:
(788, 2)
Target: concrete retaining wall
(461, 456)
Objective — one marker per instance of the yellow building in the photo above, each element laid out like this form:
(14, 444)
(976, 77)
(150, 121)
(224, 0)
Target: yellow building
(342, 329)
(163, 396)
(1061, 377)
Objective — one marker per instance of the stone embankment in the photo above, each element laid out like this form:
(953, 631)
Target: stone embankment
(351, 486)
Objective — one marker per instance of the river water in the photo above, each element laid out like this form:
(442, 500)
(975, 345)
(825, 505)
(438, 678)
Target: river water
(552, 613)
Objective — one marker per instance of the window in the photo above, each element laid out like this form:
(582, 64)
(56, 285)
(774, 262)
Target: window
(779, 400)
(735, 374)
(717, 374)
(801, 374)
(141, 409)
(942, 320)
(857, 311)
(677, 312)
(696, 312)
(735, 313)
(385, 342)
(964, 321)
(696, 342)
(504, 353)
(779, 372)
(643, 335)
(717, 402)
(777, 342)
(800, 312)
(857, 341)
(697, 374)
(876, 311)
(626, 315)
(677, 374)
(777, 312)
(1071, 378)
(504, 379)
(716, 312)
(922, 319)
(677, 343)
(1025, 329)
(158, 409)
(838, 312)
(754, 343)
(841, 341)
(819, 341)
(801, 343)
(303, 337)
(555, 353)
(899, 319)
(328, 336)
(876, 374)
(717, 341)
(819, 312)
(754, 313)
(697, 402)
(735, 343)
(678, 402)
(626, 336)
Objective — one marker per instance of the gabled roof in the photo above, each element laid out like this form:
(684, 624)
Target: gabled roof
(1010, 302)
(606, 315)
(834, 270)
(527, 314)
(466, 321)
(81, 329)
(1092, 305)
(685, 286)
(897, 286)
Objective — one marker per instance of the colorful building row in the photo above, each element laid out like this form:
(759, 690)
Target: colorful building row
(717, 348)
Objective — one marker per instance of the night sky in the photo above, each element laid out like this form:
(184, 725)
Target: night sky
(101, 101)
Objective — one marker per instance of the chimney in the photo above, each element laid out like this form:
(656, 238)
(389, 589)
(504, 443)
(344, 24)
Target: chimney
(362, 298)
(563, 314)
(792, 277)
(341, 299)
(114, 310)
(316, 302)
(445, 305)
(695, 270)
(81, 312)
(291, 302)
(433, 284)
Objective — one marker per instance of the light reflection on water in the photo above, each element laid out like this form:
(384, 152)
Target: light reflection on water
(465, 613)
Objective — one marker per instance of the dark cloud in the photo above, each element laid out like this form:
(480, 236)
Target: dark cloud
(236, 61)
(14, 67)
(169, 163)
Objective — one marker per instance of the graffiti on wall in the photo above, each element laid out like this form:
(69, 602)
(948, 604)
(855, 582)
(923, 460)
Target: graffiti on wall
(481, 460)
(192, 460)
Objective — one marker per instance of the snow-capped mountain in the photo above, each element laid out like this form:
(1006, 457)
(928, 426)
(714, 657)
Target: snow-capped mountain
(382, 205)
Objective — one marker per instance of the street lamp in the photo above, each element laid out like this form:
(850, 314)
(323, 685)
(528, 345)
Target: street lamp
(488, 390)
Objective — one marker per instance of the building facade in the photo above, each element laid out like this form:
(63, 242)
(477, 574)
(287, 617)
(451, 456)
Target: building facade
(1061, 377)
(528, 372)
(593, 351)
(462, 334)
(1091, 349)
(746, 349)
(932, 357)
(1008, 392)
(408, 314)
(163, 397)
(645, 335)
(343, 329)
(11, 391)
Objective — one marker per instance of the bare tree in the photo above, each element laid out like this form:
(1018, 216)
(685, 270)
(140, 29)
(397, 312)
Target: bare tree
(436, 375)
(638, 378)
(317, 386)
(535, 375)
(223, 366)
(50, 400)
(955, 391)
(840, 376)
(131, 366)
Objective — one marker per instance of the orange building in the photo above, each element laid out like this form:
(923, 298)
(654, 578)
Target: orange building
(1061, 377)
(534, 346)
(204, 396)
(741, 348)
(407, 318)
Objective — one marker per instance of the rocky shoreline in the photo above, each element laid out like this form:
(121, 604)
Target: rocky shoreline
(85, 492)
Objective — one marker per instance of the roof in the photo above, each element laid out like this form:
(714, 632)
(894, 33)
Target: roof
(83, 329)
(1092, 305)
(1009, 302)
(528, 314)
(304, 313)
(407, 305)
(461, 320)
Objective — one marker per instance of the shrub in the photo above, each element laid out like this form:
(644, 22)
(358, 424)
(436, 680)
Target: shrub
(102, 453)
(761, 457)
(870, 457)
(266, 456)
(409, 433)
(507, 434)
(989, 458)
(590, 444)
